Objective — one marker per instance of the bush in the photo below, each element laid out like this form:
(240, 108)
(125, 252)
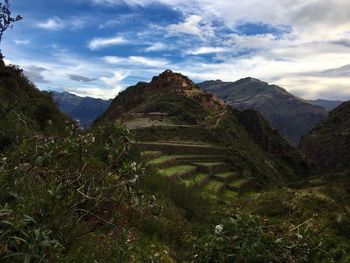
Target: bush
(246, 238)
(59, 190)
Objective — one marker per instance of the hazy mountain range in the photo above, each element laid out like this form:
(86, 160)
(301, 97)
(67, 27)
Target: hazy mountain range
(327, 104)
(292, 116)
(83, 109)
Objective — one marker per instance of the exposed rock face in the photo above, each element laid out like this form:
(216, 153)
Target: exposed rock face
(167, 83)
(290, 115)
(328, 144)
(176, 83)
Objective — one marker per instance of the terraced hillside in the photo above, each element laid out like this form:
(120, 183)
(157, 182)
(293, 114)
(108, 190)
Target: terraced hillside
(197, 165)
(191, 133)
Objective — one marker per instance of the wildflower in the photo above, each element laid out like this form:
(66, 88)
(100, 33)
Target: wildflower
(134, 179)
(218, 229)
(278, 240)
(133, 166)
(299, 236)
(4, 159)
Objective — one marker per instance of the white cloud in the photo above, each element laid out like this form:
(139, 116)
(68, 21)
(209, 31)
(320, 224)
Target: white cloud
(138, 61)
(209, 50)
(114, 82)
(151, 62)
(54, 23)
(315, 38)
(95, 92)
(193, 25)
(98, 43)
(158, 46)
(21, 41)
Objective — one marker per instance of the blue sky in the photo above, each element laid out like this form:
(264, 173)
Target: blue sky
(99, 47)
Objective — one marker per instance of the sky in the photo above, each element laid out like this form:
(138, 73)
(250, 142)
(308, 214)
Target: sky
(99, 47)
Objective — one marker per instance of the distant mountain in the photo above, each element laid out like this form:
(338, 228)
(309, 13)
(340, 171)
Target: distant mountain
(327, 104)
(328, 144)
(83, 109)
(172, 115)
(290, 115)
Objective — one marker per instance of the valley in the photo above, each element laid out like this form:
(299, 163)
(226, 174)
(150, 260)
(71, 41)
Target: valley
(171, 165)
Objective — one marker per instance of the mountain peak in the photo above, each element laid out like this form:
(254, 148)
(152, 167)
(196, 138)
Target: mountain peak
(171, 81)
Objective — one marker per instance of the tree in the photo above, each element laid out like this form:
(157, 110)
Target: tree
(6, 20)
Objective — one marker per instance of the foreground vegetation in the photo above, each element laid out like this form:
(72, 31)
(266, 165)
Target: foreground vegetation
(88, 198)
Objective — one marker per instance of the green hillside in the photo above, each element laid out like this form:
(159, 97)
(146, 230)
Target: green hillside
(24, 110)
(327, 145)
(173, 113)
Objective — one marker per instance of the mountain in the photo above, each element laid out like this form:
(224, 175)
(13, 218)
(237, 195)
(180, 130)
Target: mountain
(327, 104)
(290, 115)
(173, 115)
(328, 143)
(83, 109)
(25, 111)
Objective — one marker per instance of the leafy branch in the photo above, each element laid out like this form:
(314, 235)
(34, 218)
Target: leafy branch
(6, 20)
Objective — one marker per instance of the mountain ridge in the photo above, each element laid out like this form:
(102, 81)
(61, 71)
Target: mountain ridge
(327, 144)
(292, 116)
(85, 110)
(166, 110)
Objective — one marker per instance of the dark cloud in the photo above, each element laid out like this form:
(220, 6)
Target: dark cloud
(343, 71)
(37, 69)
(342, 42)
(80, 78)
(34, 73)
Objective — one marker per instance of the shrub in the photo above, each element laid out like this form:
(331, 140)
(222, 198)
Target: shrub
(68, 188)
(246, 238)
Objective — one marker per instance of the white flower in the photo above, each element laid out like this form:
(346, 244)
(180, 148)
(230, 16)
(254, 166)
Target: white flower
(93, 139)
(133, 166)
(278, 240)
(218, 229)
(4, 159)
(134, 179)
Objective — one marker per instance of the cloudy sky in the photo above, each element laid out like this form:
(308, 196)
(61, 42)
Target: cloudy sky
(99, 47)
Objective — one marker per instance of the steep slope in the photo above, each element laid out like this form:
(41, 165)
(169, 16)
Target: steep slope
(83, 109)
(171, 114)
(327, 104)
(328, 143)
(24, 110)
(290, 115)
